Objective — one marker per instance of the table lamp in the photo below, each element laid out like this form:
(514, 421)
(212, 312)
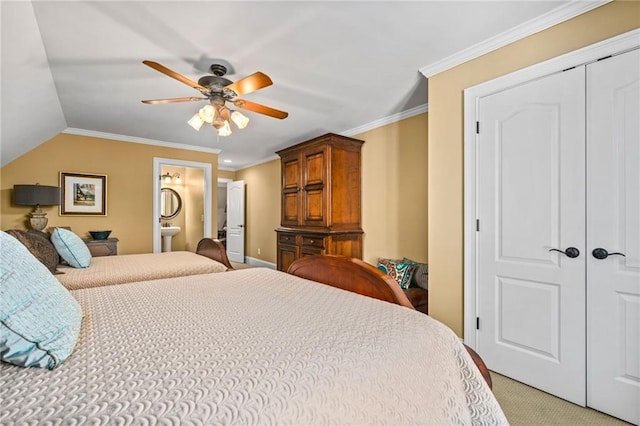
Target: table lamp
(36, 195)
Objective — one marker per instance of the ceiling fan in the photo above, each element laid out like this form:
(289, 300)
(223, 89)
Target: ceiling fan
(218, 91)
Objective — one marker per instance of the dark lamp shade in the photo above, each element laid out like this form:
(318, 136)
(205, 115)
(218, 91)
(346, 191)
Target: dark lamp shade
(33, 195)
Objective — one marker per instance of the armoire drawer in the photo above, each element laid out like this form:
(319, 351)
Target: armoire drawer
(286, 238)
(312, 241)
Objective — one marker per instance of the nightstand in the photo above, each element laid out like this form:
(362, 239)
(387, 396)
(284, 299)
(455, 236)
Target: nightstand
(108, 247)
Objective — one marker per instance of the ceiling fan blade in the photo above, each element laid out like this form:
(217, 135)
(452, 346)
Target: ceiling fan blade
(172, 100)
(261, 109)
(251, 83)
(166, 71)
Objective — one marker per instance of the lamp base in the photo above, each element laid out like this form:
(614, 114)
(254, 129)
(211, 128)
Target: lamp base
(38, 219)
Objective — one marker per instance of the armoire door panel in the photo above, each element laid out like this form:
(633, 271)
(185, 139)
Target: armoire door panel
(315, 167)
(314, 207)
(290, 211)
(290, 174)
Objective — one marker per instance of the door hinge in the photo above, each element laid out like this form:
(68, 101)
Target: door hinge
(477, 225)
(477, 127)
(477, 323)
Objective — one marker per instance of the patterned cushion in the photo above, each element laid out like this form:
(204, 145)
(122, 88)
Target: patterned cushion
(398, 270)
(420, 276)
(71, 248)
(39, 319)
(39, 244)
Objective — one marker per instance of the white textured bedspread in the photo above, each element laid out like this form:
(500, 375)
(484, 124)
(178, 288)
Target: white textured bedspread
(247, 347)
(128, 268)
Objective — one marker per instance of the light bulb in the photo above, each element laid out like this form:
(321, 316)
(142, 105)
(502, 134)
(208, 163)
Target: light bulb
(196, 122)
(207, 113)
(225, 130)
(167, 178)
(240, 119)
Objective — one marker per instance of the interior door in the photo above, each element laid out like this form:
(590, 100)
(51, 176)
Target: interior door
(613, 217)
(531, 200)
(235, 221)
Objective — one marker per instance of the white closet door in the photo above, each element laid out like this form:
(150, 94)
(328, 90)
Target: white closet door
(531, 198)
(613, 218)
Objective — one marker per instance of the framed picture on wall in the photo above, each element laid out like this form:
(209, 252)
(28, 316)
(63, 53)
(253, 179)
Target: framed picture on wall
(83, 194)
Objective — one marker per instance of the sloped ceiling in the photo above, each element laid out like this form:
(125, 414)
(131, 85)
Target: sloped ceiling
(76, 66)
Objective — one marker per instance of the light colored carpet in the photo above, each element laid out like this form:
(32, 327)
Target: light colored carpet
(524, 405)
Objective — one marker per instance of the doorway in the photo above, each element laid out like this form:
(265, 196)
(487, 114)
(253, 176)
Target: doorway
(193, 173)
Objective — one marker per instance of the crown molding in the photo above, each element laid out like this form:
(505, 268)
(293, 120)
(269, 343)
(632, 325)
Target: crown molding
(386, 120)
(134, 139)
(547, 20)
(357, 130)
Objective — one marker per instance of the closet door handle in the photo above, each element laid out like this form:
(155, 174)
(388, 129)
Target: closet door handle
(600, 253)
(569, 252)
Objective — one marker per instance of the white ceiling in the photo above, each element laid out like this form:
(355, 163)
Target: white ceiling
(76, 66)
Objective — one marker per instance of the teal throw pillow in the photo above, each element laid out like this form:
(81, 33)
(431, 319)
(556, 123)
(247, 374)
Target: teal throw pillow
(421, 275)
(399, 270)
(39, 319)
(71, 248)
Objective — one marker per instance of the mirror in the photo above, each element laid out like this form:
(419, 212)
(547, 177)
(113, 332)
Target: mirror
(170, 203)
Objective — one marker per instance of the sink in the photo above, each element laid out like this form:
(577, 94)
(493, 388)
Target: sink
(167, 232)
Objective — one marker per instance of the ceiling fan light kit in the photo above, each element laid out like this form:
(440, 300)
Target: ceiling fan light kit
(218, 90)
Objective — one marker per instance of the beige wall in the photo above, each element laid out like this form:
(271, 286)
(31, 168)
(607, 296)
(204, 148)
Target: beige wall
(194, 208)
(262, 190)
(394, 190)
(446, 139)
(226, 174)
(394, 195)
(129, 169)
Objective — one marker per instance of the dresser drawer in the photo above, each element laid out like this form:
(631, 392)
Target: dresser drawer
(313, 241)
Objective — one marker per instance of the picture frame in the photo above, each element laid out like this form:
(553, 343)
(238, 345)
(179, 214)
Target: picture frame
(83, 194)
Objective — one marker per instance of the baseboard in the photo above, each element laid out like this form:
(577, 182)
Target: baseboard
(258, 262)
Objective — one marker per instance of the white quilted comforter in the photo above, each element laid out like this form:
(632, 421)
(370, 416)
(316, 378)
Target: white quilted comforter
(128, 268)
(253, 346)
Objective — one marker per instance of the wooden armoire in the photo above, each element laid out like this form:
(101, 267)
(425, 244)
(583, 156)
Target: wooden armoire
(321, 199)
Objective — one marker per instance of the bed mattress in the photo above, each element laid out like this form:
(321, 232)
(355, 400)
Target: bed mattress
(254, 346)
(108, 270)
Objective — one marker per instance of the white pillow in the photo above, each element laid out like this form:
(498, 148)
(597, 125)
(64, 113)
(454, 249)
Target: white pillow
(71, 248)
(39, 319)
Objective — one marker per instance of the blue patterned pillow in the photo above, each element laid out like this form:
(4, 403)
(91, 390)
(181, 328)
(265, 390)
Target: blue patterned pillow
(421, 275)
(399, 270)
(71, 248)
(39, 318)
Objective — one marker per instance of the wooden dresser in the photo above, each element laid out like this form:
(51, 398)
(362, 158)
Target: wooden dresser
(321, 199)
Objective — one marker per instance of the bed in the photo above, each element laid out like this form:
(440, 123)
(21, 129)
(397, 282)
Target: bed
(210, 257)
(255, 346)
